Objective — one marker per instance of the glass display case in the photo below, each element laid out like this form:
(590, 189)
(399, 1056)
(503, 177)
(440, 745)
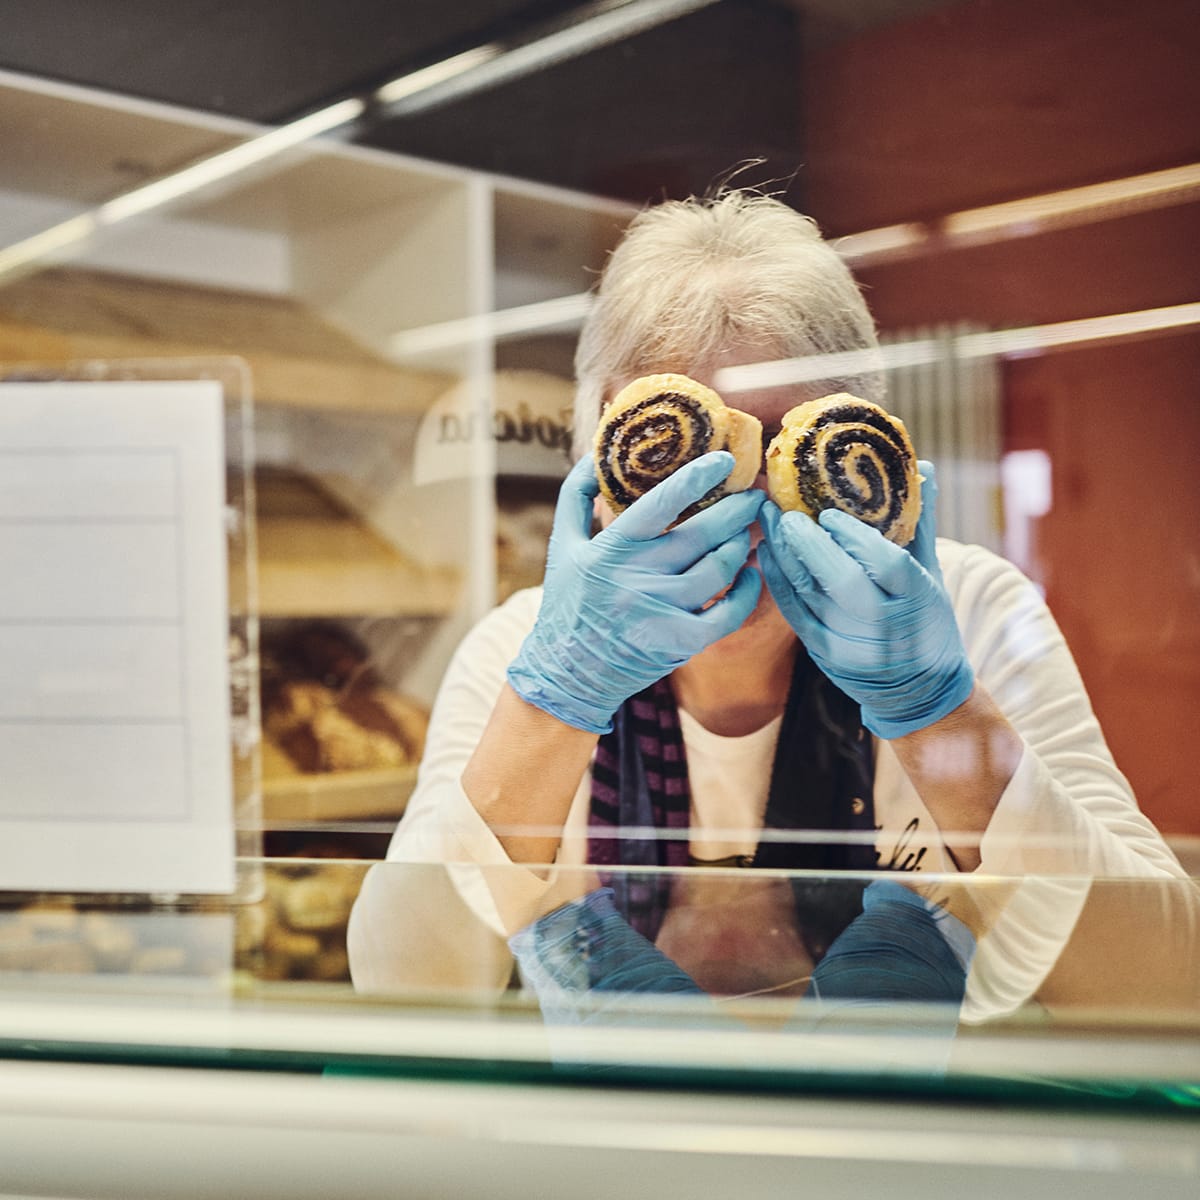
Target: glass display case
(845, 1056)
(389, 238)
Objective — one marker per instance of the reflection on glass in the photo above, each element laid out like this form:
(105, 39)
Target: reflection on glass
(863, 978)
(901, 956)
(736, 711)
(790, 852)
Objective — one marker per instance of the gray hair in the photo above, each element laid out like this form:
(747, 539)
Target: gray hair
(693, 276)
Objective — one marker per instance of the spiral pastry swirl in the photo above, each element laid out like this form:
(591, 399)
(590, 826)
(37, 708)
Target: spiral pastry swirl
(843, 452)
(660, 422)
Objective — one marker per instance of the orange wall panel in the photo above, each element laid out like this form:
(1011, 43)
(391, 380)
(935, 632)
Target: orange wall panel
(985, 101)
(1119, 550)
(1143, 261)
(982, 102)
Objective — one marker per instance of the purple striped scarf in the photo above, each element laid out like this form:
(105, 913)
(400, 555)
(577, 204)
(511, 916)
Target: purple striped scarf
(822, 778)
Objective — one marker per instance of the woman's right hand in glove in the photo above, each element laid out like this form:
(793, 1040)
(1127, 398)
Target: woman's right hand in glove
(625, 608)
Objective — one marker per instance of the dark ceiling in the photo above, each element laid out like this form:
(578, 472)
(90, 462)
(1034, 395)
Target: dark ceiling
(663, 112)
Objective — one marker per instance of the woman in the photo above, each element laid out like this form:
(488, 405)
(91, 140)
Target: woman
(921, 702)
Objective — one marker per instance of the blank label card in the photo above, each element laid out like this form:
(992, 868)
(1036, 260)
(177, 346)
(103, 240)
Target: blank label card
(115, 757)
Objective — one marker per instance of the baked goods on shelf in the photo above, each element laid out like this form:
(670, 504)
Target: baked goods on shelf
(297, 931)
(522, 536)
(844, 452)
(656, 424)
(326, 709)
(304, 917)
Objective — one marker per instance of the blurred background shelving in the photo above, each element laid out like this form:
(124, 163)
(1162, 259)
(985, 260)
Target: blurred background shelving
(380, 507)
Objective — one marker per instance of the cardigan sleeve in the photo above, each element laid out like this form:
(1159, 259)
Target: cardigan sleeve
(398, 937)
(1068, 810)
(1068, 816)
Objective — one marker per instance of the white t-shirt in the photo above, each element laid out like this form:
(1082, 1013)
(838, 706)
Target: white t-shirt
(1068, 815)
(729, 778)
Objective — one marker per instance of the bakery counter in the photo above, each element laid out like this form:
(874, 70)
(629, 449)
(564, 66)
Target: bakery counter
(211, 1048)
(936, 990)
(126, 1132)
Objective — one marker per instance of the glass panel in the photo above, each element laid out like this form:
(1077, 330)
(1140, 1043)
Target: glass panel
(872, 983)
(401, 251)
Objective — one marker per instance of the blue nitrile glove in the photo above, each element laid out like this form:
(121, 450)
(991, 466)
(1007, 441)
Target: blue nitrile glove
(623, 609)
(901, 947)
(875, 617)
(586, 947)
(901, 964)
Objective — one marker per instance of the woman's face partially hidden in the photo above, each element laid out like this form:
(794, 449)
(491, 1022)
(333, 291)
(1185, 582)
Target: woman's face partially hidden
(765, 631)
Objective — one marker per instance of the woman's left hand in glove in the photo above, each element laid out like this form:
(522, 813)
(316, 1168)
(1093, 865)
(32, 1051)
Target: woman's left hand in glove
(874, 616)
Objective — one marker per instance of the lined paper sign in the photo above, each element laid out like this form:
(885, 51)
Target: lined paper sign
(115, 760)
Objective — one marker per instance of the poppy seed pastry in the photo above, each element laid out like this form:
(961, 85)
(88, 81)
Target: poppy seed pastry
(847, 453)
(658, 423)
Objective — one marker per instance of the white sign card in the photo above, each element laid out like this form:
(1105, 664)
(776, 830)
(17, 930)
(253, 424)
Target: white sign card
(526, 415)
(115, 753)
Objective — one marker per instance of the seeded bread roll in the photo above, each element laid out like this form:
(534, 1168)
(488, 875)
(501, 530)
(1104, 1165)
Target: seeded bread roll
(658, 423)
(843, 452)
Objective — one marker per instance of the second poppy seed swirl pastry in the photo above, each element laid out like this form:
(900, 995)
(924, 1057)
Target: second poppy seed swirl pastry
(658, 423)
(843, 452)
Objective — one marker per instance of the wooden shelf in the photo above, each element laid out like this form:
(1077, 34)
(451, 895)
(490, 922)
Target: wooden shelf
(345, 796)
(295, 358)
(316, 558)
